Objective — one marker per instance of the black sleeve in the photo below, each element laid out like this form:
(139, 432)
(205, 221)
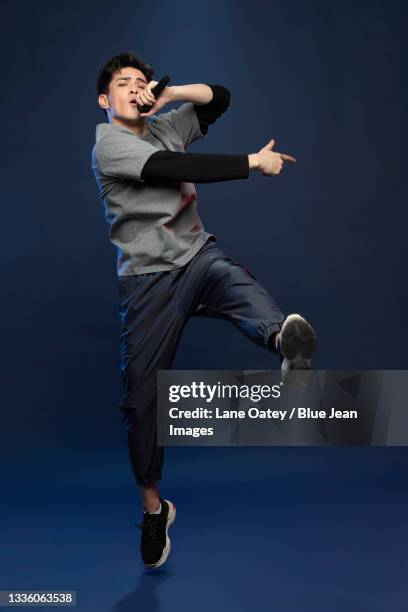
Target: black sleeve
(195, 167)
(208, 113)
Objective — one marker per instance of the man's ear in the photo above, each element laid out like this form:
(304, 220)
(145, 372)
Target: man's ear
(103, 101)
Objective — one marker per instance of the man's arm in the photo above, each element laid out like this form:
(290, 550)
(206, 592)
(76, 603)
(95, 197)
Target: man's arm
(195, 167)
(208, 113)
(199, 93)
(212, 167)
(210, 101)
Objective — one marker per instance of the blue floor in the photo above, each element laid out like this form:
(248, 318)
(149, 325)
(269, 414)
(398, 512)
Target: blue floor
(257, 529)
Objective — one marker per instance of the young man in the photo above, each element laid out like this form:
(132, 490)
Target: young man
(169, 268)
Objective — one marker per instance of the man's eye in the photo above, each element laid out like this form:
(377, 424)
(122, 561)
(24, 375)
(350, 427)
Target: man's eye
(122, 84)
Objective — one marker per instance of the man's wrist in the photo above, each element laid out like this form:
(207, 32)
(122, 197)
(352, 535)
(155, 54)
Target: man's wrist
(253, 161)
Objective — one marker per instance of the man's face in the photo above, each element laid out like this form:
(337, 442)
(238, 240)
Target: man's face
(124, 86)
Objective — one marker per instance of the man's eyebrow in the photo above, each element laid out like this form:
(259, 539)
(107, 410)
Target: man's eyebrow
(128, 77)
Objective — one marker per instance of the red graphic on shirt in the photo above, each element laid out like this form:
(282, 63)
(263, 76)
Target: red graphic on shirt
(187, 200)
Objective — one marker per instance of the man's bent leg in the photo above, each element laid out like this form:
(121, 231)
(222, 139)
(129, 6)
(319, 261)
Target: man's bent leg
(231, 292)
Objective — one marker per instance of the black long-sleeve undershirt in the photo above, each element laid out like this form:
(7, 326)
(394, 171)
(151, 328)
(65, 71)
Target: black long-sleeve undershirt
(199, 167)
(208, 113)
(195, 167)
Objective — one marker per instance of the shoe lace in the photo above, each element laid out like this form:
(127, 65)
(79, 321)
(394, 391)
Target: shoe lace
(150, 527)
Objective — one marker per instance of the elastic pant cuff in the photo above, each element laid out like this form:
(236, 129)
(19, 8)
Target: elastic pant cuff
(149, 480)
(272, 329)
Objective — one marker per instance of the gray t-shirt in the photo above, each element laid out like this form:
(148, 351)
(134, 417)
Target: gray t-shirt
(154, 227)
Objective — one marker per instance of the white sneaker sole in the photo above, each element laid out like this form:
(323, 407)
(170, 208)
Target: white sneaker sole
(297, 343)
(166, 550)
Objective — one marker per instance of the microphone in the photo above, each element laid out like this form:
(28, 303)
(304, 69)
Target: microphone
(156, 91)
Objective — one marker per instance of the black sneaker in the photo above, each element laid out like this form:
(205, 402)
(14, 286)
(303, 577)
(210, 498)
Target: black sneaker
(296, 345)
(155, 542)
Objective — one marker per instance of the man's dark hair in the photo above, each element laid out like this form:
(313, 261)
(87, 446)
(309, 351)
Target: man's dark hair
(123, 60)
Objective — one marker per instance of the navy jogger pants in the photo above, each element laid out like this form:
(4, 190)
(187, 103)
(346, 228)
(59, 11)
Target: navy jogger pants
(154, 309)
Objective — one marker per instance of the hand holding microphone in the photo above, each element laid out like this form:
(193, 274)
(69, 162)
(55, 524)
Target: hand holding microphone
(147, 109)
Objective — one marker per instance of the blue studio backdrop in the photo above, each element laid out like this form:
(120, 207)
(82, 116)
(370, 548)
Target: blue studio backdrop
(327, 238)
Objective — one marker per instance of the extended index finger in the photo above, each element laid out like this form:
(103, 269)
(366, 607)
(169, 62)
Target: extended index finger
(287, 157)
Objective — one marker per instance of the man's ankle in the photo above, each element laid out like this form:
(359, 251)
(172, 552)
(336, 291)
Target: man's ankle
(150, 497)
(152, 506)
